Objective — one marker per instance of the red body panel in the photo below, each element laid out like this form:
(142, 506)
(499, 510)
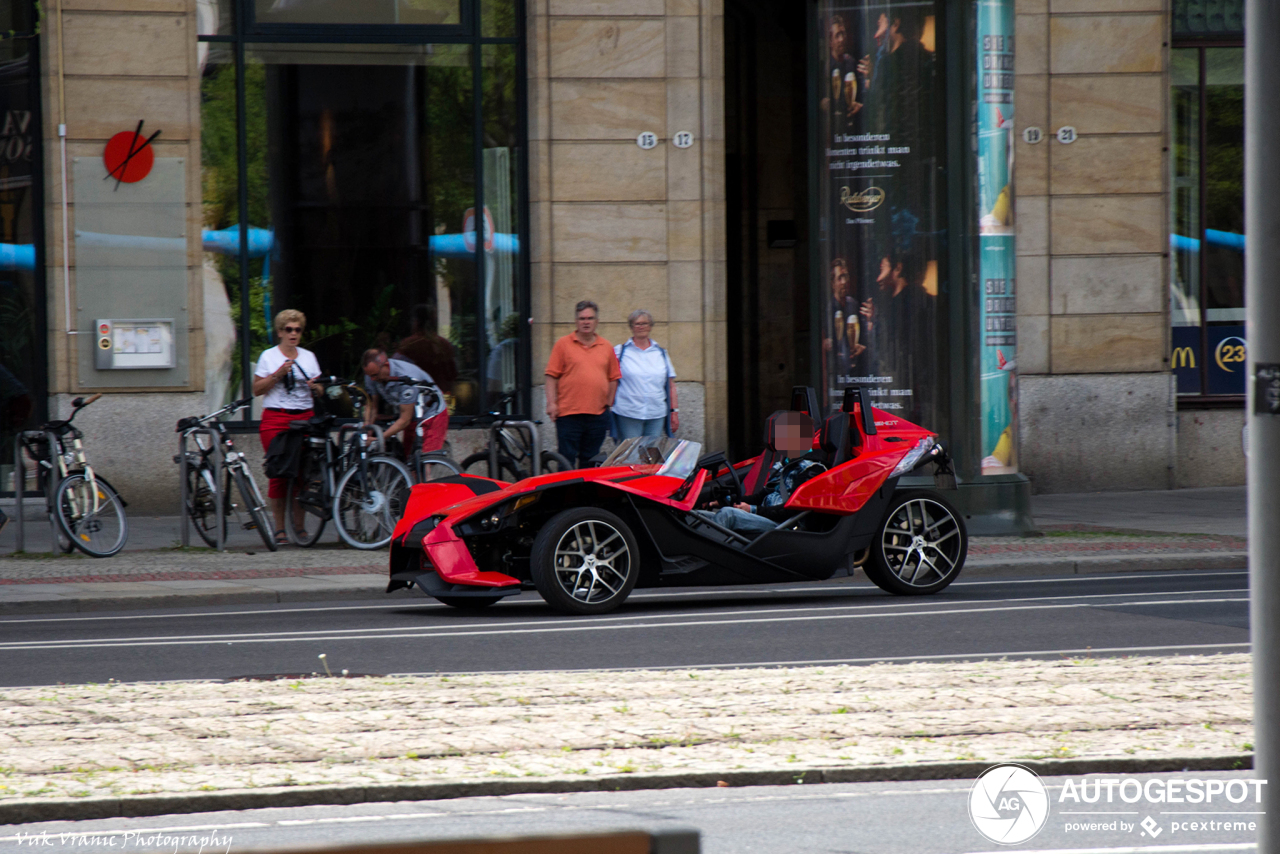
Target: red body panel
(452, 560)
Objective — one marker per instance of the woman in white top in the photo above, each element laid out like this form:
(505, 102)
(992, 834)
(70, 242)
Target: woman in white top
(286, 375)
(647, 391)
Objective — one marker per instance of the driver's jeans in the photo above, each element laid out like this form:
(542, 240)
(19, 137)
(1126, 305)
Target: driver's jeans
(738, 520)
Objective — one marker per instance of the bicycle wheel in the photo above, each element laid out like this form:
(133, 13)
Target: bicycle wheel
(369, 503)
(202, 497)
(435, 466)
(553, 462)
(91, 515)
(305, 511)
(259, 517)
(479, 464)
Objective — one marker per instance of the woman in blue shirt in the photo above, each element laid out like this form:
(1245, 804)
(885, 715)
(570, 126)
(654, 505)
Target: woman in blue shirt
(647, 391)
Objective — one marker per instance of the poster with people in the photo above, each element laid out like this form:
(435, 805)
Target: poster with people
(878, 94)
(997, 264)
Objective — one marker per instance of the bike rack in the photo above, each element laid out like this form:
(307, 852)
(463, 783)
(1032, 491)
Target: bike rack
(218, 498)
(20, 484)
(535, 449)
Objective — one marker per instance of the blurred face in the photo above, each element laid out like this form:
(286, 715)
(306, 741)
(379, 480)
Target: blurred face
(838, 40)
(882, 26)
(378, 370)
(586, 321)
(291, 333)
(793, 434)
(839, 283)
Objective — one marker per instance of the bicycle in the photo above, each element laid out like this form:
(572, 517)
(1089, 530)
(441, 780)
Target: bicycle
(86, 512)
(366, 491)
(211, 438)
(514, 440)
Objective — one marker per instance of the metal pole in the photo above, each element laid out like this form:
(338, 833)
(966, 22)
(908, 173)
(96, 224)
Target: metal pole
(19, 487)
(1262, 302)
(51, 489)
(493, 450)
(184, 522)
(220, 497)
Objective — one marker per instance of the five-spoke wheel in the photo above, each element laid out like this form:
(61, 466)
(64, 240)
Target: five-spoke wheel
(920, 545)
(585, 561)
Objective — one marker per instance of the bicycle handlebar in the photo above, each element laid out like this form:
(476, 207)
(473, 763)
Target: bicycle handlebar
(195, 420)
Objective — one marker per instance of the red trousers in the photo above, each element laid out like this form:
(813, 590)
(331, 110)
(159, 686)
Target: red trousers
(275, 422)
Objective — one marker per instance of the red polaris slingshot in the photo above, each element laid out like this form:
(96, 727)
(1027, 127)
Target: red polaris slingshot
(585, 538)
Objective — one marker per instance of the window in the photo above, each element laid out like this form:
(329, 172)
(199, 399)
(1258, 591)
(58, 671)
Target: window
(1207, 220)
(358, 157)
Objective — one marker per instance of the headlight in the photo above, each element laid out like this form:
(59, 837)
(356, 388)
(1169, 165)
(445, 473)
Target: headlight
(922, 449)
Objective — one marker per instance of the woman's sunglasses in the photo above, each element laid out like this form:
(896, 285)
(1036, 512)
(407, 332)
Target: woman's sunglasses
(289, 330)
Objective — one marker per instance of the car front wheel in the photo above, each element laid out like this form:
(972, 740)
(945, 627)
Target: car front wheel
(920, 545)
(585, 561)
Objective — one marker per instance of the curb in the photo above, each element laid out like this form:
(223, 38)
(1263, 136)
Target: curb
(261, 595)
(81, 809)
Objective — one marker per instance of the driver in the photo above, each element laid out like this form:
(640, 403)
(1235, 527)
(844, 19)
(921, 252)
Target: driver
(764, 510)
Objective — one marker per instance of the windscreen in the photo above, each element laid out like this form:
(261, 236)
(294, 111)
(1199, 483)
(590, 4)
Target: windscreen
(677, 457)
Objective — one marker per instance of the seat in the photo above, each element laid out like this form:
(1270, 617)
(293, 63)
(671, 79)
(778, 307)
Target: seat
(759, 474)
(805, 399)
(833, 439)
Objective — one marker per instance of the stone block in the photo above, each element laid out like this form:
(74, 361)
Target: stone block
(539, 170)
(615, 232)
(541, 341)
(1088, 433)
(172, 6)
(1114, 284)
(1107, 343)
(692, 399)
(1078, 7)
(682, 7)
(686, 350)
(1033, 225)
(685, 296)
(618, 289)
(100, 107)
(1033, 344)
(1106, 44)
(1031, 166)
(684, 231)
(111, 45)
(1095, 225)
(684, 172)
(606, 7)
(1210, 451)
(1109, 104)
(1033, 284)
(607, 171)
(1109, 164)
(540, 231)
(540, 292)
(1030, 7)
(1032, 47)
(683, 50)
(607, 109)
(604, 47)
(684, 107)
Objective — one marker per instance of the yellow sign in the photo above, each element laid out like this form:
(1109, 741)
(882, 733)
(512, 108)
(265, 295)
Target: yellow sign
(1229, 351)
(861, 202)
(1183, 357)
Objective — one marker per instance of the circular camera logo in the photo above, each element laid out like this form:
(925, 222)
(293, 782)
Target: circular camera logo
(1008, 804)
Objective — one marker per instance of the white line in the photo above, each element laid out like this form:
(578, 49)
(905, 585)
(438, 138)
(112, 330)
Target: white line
(1137, 849)
(378, 631)
(85, 834)
(593, 627)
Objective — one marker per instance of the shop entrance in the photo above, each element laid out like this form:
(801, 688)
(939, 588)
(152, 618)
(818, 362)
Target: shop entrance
(766, 163)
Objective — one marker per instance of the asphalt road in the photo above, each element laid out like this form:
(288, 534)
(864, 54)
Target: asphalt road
(869, 818)
(778, 624)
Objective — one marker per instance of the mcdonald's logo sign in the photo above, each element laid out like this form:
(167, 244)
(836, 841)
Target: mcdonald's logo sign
(1183, 357)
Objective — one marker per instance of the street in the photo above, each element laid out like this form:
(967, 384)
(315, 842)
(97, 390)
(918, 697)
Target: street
(831, 622)
(928, 817)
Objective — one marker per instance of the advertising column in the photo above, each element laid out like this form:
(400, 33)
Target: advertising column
(879, 201)
(997, 263)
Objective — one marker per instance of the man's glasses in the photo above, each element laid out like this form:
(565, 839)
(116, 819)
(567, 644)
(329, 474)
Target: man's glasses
(289, 330)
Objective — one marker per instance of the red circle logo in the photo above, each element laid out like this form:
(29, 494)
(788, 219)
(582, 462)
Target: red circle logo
(128, 157)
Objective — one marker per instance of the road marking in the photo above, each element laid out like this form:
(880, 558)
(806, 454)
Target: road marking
(373, 632)
(1138, 849)
(264, 638)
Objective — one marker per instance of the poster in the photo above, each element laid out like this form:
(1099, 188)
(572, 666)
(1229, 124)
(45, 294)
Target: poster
(879, 142)
(997, 262)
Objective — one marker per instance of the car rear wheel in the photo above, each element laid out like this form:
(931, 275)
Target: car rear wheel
(585, 561)
(920, 545)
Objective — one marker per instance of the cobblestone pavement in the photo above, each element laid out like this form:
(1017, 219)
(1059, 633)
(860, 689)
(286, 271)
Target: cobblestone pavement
(180, 738)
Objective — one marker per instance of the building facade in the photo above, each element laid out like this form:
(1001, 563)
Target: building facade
(1049, 171)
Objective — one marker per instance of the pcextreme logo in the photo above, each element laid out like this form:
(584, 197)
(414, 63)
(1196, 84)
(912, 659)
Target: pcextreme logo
(862, 201)
(1183, 357)
(1230, 351)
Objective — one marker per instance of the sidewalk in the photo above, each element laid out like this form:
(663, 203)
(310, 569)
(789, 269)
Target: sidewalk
(1083, 533)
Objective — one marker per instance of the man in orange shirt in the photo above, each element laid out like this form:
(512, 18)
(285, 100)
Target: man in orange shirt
(582, 378)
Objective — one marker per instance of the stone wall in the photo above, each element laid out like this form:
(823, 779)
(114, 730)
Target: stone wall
(617, 224)
(1092, 243)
